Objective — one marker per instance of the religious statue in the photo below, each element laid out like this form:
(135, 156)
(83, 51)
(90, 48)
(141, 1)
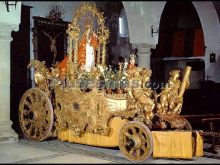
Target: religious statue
(88, 46)
(169, 95)
(131, 67)
(144, 94)
(132, 61)
(175, 103)
(53, 47)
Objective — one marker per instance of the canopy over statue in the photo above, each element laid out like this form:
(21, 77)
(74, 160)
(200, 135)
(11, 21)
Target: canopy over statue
(87, 39)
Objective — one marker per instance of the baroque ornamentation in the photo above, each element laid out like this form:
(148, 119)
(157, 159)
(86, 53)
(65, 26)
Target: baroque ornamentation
(79, 101)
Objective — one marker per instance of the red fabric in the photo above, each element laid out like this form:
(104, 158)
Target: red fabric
(131, 66)
(178, 44)
(63, 63)
(82, 49)
(198, 49)
(81, 52)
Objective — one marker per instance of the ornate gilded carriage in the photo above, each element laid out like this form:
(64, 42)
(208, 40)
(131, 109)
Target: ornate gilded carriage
(58, 106)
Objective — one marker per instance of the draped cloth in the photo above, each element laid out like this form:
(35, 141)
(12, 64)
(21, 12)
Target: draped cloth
(177, 144)
(166, 144)
(86, 53)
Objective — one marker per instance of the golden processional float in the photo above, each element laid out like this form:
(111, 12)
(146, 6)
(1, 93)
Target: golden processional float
(60, 106)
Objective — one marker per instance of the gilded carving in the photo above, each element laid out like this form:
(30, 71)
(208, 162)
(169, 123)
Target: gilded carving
(83, 101)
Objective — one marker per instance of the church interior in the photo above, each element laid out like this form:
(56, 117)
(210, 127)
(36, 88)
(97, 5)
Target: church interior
(158, 35)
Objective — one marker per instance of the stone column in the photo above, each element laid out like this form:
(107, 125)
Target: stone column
(7, 134)
(143, 53)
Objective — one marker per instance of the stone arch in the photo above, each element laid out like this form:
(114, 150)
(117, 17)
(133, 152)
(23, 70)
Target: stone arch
(208, 18)
(209, 22)
(211, 30)
(180, 34)
(118, 45)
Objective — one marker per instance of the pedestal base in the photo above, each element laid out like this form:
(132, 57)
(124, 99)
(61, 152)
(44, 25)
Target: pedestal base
(7, 134)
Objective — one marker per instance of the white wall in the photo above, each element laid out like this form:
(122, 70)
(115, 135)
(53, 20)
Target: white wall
(12, 17)
(41, 8)
(141, 15)
(211, 29)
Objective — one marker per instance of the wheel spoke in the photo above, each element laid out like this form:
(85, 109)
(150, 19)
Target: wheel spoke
(36, 114)
(138, 151)
(128, 135)
(32, 126)
(144, 148)
(131, 152)
(144, 137)
(140, 133)
(28, 104)
(133, 130)
(31, 98)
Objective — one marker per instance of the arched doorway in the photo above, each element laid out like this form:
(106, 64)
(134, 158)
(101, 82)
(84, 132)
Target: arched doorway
(180, 42)
(118, 47)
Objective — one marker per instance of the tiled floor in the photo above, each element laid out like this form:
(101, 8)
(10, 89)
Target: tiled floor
(54, 151)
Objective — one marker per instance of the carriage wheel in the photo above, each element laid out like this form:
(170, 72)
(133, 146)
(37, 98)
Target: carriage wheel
(135, 141)
(35, 114)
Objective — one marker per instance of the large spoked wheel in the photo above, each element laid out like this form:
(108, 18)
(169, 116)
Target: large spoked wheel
(135, 141)
(35, 114)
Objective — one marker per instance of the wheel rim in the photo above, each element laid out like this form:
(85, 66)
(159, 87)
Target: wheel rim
(35, 114)
(135, 141)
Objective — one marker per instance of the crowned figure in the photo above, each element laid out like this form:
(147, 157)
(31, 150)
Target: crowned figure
(88, 46)
(131, 64)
